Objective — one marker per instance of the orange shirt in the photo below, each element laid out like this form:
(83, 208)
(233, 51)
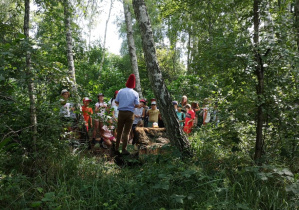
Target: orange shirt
(86, 111)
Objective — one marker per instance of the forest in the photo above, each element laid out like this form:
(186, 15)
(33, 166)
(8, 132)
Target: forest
(239, 55)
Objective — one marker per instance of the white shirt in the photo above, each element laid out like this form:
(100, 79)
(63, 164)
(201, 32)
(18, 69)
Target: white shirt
(102, 108)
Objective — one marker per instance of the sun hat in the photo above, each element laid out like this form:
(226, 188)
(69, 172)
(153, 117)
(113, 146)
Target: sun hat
(86, 99)
(64, 91)
(100, 94)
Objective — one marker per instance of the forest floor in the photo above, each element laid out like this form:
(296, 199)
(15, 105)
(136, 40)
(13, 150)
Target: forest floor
(214, 178)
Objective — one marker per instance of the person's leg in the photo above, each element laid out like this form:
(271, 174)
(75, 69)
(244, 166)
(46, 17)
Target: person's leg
(95, 129)
(107, 142)
(150, 124)
(120, 127)
(127, 128)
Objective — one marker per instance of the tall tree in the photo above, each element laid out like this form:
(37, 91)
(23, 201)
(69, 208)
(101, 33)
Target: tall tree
(70, 57)
(31, 87)
(160, 90)
(297, 22)
(104, 44)
(259, 70)
(131, 46)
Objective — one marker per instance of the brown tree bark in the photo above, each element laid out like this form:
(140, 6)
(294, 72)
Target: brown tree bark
(260, 86)
(131, 46)
(162, 95)
(31, 87)
(297, 22)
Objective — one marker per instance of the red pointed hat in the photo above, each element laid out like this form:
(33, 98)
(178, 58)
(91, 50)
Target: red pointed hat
(131, 81)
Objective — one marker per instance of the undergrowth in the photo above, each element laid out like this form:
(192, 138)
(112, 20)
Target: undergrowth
(215, 178)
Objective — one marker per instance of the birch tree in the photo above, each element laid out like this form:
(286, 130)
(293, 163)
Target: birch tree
(70, 57)
(31, 87)
(160, 90)
(104, 44)
(131, 46)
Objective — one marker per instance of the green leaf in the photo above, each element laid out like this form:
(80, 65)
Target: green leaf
(36, 204)
(49, 197)
(178, 198)
(21, 36)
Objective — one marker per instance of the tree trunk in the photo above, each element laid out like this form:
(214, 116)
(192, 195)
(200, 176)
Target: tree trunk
(131, 46)
(260, 86)
(31, 88)
(162, 95)
(104, 44)
(297, 22)
(70, 58)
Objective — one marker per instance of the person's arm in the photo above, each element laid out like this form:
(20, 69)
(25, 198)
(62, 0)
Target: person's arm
(91, 112)
(143, 113)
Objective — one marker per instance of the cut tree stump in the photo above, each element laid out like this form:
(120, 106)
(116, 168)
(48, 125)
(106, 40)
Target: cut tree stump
(151, 140)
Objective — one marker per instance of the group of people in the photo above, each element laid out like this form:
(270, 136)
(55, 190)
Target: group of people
(117, 120)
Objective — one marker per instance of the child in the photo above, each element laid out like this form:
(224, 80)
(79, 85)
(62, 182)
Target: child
(190, 116)
(100, 109)
(67, 110)
(179, 113)
(138, 115)
(86, 112)
(107, 133)
(153, 114)
(114, 106)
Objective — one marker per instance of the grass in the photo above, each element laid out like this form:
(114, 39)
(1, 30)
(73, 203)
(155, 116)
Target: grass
(210, 180)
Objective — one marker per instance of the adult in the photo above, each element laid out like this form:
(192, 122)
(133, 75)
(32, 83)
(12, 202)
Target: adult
(183, 103)
(67, 110)
(127, 100)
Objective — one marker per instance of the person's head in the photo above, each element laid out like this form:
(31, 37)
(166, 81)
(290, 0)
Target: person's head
(131, 81)
(206, 101)
(101, 97)
(184, 100)
(175, 104)
(140, 123)
(109, 120)
(115, 94)
(188, 107)
(194, 105)
(154, 105)
(65, 94)
(86, 101)
(179, 109)
(142, 103)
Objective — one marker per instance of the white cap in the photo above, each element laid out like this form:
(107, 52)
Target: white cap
(153, 102)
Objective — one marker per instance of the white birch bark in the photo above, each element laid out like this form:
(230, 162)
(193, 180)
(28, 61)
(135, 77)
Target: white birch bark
(131, 46)
(31, 87)
(69, 45)
(104, 44)
(162, 95)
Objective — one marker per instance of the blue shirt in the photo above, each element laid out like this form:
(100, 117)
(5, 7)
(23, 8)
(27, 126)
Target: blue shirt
(127, 98)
